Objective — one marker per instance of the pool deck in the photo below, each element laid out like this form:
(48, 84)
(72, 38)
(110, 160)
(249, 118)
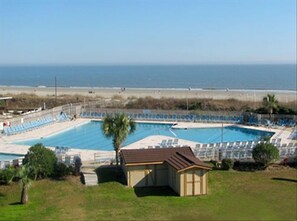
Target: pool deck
(6, 145)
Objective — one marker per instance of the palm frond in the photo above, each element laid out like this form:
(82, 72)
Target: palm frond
(118, 127)
(270, 103)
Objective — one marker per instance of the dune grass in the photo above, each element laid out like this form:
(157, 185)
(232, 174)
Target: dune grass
(29, 101)
(265, 195)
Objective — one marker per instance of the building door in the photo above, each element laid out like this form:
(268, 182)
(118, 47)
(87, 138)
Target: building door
(193, 182)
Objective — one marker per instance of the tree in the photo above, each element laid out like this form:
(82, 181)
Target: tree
(265, 153)
(270, 103)
(118, 127)
(41, 160)
(24, 174)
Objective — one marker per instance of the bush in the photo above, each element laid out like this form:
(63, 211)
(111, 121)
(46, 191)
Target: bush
(61, 170)
(7, 175)
(77, 166)
(285, 110)
(215, 165)
(265, 153)
(227, 164)
(247, 166)
(41, 160)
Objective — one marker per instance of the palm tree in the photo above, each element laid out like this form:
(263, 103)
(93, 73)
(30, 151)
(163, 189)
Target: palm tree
(270, 103)
(118, 127)
(23, 174)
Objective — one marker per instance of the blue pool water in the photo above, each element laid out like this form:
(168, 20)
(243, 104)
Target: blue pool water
(90, 136)
(4, 156)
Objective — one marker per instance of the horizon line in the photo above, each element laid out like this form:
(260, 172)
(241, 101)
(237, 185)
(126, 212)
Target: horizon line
(146, 64)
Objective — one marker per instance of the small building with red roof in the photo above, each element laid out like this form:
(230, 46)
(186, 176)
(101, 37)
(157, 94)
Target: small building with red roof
(177, 168)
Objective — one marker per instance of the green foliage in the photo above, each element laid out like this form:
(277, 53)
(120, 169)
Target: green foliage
(194, 104)
(265, 153)
(24, 173)
(214, 164)
(61, 170)
(41, 160)
(270, 103)
(227, 164)
(286, 110)
(262, 110)
(279, 110)
(68, 199)
(118, 127)
(77, 166)
(7, 175)
(247, 166)
(2, 103)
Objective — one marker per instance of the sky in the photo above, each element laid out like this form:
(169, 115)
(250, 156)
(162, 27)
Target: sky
(45, 32)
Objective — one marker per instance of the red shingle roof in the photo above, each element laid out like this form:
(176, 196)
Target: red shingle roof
(180, 157)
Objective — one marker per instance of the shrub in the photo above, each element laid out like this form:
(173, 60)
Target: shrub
(61, 170)
(247, 166)
(286, 110)
(215, 164)
(227, 164)
(41, 160)
(265, 153)
(77, 166)
(7, 175)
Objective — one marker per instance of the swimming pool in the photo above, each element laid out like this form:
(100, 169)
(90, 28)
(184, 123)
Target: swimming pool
(90, 136)
(7, 157)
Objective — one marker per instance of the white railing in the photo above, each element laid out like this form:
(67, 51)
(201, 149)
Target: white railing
(14, 162)
(104, 158)
(239, 150)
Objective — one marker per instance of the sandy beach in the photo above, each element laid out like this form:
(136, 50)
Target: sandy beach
(243, 95)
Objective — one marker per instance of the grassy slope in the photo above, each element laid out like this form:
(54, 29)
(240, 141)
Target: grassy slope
(232, 196)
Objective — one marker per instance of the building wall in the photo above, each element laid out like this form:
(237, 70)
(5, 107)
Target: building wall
(187, 183)
(161, 175)
(174, 179)
(181, 184)
(177, 181)
(147, 175)
(125, 172)
(136, 175)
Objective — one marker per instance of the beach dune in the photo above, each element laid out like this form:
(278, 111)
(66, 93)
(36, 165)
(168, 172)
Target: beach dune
(243, 95)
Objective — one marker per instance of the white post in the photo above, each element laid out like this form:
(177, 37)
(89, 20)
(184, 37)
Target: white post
(222, 137)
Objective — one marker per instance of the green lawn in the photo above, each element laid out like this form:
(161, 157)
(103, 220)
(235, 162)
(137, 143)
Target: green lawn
(265, 195)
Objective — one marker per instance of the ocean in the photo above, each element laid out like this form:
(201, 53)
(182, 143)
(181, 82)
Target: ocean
(249, 77)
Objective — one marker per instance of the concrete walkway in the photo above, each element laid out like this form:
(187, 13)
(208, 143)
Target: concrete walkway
(90, 178)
